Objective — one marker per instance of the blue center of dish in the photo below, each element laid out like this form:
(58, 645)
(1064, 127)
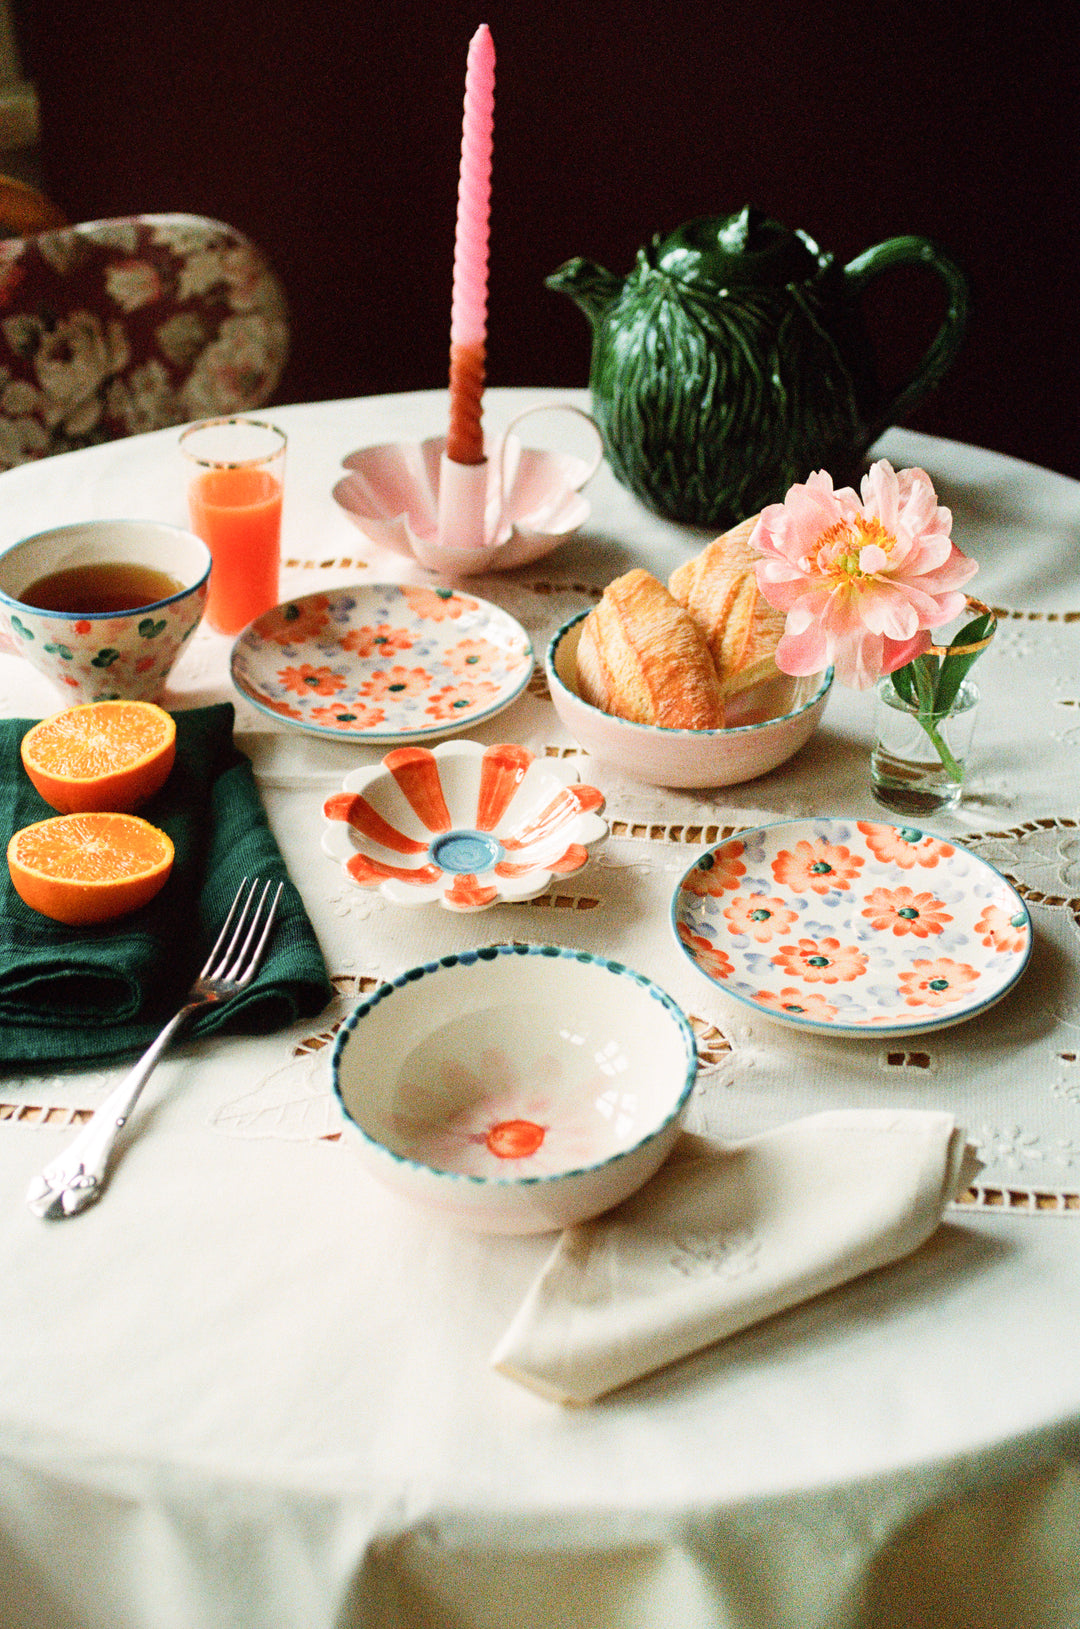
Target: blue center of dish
(466, 852)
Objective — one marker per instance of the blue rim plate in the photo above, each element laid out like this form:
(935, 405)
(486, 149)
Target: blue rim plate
(852, 927)
(383, 663)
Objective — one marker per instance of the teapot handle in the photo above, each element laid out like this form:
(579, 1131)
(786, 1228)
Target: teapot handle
(938, 357)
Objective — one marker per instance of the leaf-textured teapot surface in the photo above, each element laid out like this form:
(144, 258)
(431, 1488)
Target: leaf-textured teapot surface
(733, 360)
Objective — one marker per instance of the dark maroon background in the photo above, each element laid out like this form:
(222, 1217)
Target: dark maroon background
(330, 132)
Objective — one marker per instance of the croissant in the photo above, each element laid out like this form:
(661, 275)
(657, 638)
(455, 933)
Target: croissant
(642, 657)
(719, 590)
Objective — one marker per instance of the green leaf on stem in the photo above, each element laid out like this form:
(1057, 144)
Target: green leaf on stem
(955, 668)
(931, 684)
(903, 682)
(925, 675)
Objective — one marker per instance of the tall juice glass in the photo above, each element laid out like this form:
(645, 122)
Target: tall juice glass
(236, 472)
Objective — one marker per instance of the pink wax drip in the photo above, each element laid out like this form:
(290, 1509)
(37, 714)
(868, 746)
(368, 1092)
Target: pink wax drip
(468, 313)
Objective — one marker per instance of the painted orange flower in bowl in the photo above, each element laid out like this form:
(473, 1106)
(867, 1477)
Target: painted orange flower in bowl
(517, 1088)
(852, 927)
(462, 825)
(508, 1119)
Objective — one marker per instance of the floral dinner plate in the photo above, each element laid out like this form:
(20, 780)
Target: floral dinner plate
(382, 663)
(852, 927)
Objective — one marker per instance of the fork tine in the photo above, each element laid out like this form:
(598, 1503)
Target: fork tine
(230, 957)
(249, 954)
(225, 927)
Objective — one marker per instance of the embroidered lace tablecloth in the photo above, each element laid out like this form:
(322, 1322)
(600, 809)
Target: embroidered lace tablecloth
(1012, 1077)
(252, 1387)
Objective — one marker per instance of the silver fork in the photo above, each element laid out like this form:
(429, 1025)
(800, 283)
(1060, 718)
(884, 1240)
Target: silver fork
(76, 1177)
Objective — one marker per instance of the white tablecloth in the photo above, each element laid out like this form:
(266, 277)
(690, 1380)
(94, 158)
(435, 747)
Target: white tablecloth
(251, 1388)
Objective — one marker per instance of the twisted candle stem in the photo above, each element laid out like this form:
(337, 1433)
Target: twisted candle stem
(468, 312)
(465, 436)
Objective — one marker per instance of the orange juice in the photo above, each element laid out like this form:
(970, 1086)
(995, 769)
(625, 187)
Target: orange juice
(237, 513)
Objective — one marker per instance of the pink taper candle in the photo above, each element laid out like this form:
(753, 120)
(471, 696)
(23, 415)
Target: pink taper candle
(468, 314)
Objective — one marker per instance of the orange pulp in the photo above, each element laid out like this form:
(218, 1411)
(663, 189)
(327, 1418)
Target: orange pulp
(107, 755)
(86, 868)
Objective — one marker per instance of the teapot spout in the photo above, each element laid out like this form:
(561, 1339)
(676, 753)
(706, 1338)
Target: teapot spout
(588, 285)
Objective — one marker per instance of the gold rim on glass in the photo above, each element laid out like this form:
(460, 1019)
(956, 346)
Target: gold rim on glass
(251, 462)
(982, 609)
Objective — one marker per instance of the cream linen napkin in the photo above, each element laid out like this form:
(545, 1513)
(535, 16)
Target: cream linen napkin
(727, 1234)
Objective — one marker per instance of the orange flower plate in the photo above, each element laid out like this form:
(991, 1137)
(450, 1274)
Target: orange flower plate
(852, 927)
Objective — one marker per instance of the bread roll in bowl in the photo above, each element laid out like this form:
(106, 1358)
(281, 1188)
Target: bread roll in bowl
(642, 657)
(719, 589)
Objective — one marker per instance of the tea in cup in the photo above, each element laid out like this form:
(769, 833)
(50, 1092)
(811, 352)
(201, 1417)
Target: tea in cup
(103, 608)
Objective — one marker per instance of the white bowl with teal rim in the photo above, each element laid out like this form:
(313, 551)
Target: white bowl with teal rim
(517, 1088)
(766, 725)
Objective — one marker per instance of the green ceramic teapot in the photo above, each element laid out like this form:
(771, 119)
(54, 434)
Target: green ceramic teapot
(734, 360)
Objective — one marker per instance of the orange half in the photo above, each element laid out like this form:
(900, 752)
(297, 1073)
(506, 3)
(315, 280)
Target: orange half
(107, 755)
(89, 867)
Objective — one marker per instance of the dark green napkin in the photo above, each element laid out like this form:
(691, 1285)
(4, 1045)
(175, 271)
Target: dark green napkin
(78, 997)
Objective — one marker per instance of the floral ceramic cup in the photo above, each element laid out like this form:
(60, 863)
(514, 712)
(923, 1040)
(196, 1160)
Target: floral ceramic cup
(103, 608)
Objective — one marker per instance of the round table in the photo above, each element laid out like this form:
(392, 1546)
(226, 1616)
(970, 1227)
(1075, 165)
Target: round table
(251, 1388)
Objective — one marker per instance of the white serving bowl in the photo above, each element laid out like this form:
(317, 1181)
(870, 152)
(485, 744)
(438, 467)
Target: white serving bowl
(515, 1089)
(769, 723)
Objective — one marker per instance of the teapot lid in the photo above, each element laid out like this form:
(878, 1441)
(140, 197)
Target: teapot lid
(738, 249)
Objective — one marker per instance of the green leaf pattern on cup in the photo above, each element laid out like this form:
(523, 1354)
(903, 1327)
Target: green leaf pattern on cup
(71, 653)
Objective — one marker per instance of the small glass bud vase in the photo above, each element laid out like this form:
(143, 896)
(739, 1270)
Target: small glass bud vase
(916, 768)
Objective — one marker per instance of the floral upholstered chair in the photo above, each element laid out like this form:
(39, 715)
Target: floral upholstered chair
(118, 326)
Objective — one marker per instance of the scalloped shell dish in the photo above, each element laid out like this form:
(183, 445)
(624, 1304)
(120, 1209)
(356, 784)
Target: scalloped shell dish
(464, 825)
(534, 501)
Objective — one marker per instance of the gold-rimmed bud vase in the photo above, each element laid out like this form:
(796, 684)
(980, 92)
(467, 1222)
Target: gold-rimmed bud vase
(911, 771)
(925, 721)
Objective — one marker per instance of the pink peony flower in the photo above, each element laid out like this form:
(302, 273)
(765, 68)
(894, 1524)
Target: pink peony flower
(862, 584)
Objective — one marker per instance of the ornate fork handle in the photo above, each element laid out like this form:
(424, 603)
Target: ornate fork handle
(75, 1178)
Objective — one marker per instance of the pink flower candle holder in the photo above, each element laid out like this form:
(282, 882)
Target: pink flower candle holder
(532, 499)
